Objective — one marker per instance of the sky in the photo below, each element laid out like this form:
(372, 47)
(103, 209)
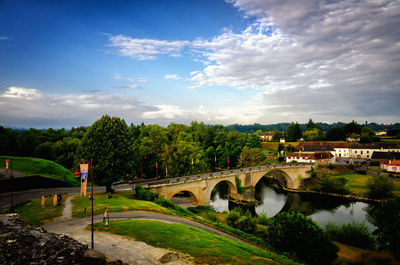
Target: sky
(67, 63)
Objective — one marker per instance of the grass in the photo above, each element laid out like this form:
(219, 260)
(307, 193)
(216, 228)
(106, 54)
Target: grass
(120, 201)
(33, 213)
(42, 167)
(358, 183)
(353, 255)
(206, 248)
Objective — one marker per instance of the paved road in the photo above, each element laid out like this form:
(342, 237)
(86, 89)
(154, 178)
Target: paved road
(20, 196)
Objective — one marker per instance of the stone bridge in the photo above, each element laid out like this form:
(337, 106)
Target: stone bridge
(200, 186)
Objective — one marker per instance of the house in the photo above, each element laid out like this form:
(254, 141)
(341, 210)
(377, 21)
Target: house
(379, 156)
(267, 136)
(337, 149)
(390, 165)
(282, 140)
(366, 150)
(311, 158)
(354, 137)
(382, 133)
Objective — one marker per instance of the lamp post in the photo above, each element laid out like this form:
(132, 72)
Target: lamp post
(91, 197)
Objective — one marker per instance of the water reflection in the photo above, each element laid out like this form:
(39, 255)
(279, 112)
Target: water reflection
(273, 200)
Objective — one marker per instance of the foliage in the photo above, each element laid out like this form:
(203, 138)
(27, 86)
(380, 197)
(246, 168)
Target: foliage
(332, 184)
(109, 143)
(232, 218)
(42, 167)
(313, 173)
(247, 223)
(239, 187)
(251, 157)
(336, 134)
(165, 203)
(354, 234)
(386, 217)
(145, 195)
(300, 236)
(262, 219)
(314, 134)
(205, 247)
(380, 187)
(294, 132)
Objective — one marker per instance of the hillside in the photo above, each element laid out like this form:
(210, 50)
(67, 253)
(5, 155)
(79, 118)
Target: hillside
(42, 167)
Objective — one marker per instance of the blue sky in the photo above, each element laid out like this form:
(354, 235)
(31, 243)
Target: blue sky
(66, 63)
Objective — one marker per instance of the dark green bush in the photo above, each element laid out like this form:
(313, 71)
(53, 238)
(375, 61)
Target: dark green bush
(300, 236)
(145, 195)
(357, 235)
(351, 166)
(247, 224)
(380, 187)
(232, 219)
(262, 219)
(165, 203)
(332, 184)
(239, 187)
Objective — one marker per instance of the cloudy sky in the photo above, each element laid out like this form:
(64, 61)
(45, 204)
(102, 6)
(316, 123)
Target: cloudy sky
(66, 63)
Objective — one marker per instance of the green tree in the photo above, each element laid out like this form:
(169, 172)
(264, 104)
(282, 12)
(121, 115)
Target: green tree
(380, 187)
(352, 128)
(109, 142)
(336, 134)
(386, 217)
(299, 235)
(294, 132)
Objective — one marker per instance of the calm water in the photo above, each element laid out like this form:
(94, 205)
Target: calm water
(273, 200)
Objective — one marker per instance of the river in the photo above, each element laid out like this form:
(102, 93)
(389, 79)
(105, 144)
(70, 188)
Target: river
(273, 200)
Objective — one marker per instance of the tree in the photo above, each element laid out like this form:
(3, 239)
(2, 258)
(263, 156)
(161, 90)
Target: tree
(386, 217)
(109, 142)
(294, 132)
(336, 134)
(299, 235)
(352, 127)
(380, 187)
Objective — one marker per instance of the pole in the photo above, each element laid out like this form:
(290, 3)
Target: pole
(91, 197)
(12, 187)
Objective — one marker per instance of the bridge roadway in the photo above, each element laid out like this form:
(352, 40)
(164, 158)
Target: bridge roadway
(200, 186)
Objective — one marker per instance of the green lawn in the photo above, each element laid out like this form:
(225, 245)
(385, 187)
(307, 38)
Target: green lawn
(42, 167)
(33, 213)
(358, 183)
(205, 247)
(120, 201)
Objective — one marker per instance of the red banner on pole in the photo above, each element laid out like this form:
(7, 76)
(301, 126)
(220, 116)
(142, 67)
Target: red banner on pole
(7, 165)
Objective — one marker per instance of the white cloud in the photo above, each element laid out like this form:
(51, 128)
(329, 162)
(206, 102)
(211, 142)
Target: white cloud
(146, 49)
(3, 38)
(30, 107)
(172, 76)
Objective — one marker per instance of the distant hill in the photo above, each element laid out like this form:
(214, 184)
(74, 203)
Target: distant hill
(252, 128)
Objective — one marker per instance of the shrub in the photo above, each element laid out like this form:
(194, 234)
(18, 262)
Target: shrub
(247, 224)
(331, 166)
(300, 236)
(239, 187)
(212, 216)
(380, 187)
(165, 203)
(357, 235)
(261, 231)
(332, 184)
(145, 195)
(351, 166)
(262, 219)
(232, 219)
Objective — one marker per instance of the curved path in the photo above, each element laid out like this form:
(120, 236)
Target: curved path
(120, 247)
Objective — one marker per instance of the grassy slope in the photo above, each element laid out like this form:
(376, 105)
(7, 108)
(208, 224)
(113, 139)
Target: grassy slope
(33, 213)
(353, 255)
(205, 247)
(42, 167)
(358, 183)
(119, 202)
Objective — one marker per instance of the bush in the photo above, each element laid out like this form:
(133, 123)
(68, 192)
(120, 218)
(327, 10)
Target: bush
(300, 236)
(261, 231)
(262, 219)
(165, 203)
(247, 224)
(332, 184)
(232, 219)
(145, 195)
(351, 166)
(380, 187)
(357, 235)
(239, 187)
(212, 216)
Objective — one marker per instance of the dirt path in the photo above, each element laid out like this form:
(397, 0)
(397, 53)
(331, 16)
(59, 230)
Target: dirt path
(67, 212)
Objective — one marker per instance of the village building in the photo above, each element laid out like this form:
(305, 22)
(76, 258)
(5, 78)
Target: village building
(310, 158)
(267, 136)
(390, 165)
(378, 156)
(366, 150)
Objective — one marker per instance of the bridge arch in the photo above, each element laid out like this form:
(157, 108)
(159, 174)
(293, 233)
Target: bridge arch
(231, 187)
(195, 200)
(283, 178)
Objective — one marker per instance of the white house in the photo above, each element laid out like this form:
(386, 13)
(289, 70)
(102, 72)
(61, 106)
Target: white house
(366, 150)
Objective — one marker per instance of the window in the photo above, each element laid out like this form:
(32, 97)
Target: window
(361, 152)
(355, 152)
(367, 152)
